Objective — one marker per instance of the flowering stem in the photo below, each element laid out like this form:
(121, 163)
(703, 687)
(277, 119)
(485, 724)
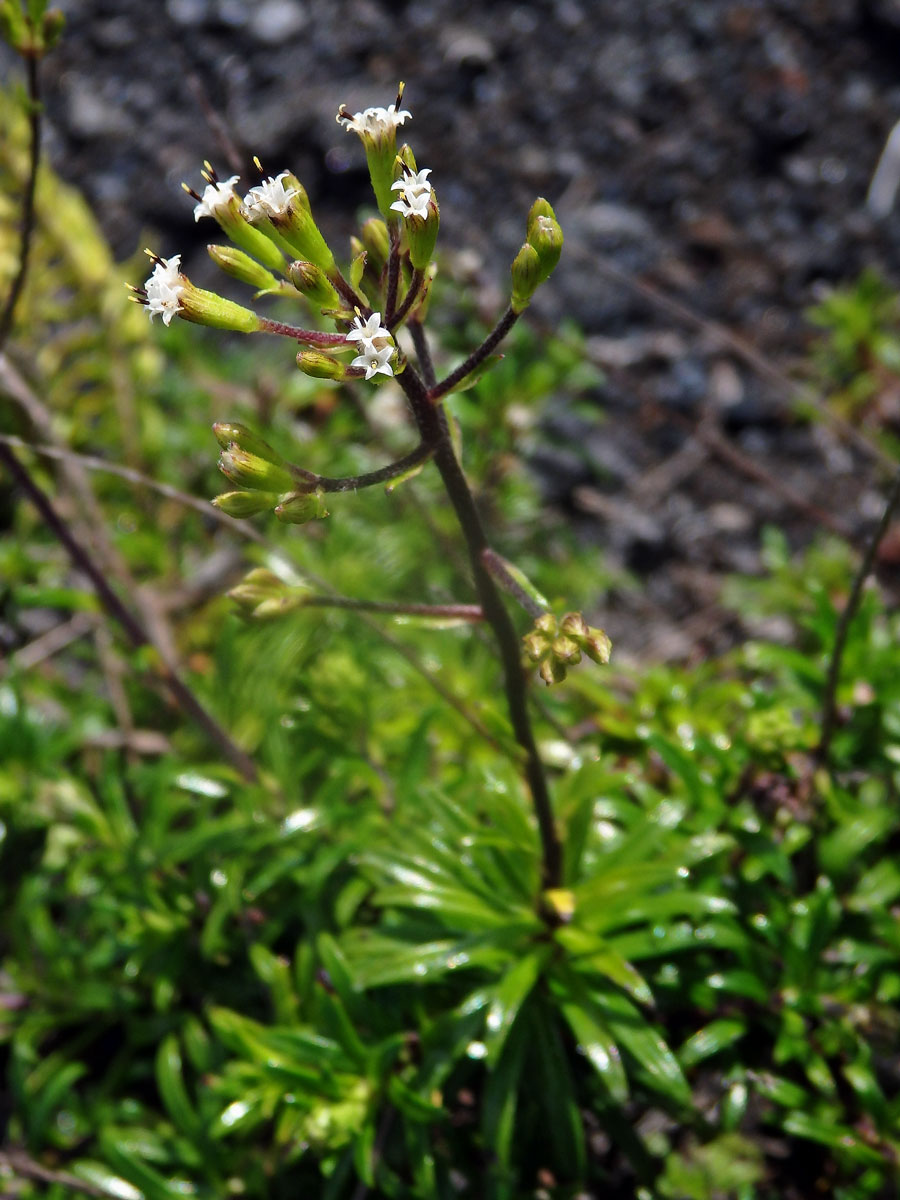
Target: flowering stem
(435, 434)
(497, 334)
(312, 337)
(423, 353)
(414, 285)
(310, 482)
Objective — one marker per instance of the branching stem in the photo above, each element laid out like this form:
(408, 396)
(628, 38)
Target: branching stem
(310, 482)
(477, 357)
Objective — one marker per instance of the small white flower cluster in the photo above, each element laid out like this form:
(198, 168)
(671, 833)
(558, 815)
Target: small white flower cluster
(164, 288)
(415, 194)
(374, 123)
(376, 347)
(269, 198)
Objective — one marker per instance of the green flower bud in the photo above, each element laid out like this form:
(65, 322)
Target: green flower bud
(300, 507)
(535, 645)
(552, 671)
(526, 271)
(597, 646)
(319, 365)
(52, 27)
(312, 282)
(565, 650)
(262, 594)
(233, 432)
(546, 237)
(241, 266)
(540, 208)
(245, 504)
(249, 471)
(574, 625)
(206, 308)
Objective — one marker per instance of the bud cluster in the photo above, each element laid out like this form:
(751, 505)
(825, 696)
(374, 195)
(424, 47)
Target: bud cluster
(558, 645)
(535, 262)
(266, 481)
(262, 595)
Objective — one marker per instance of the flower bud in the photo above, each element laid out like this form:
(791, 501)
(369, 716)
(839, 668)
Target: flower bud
(262, 594)
(540, 208)
(300, 507)
(565, 650)
(597, 646)
(552, 671)
(312, 282)
(526, 270)
(249, 471)
(546, 237)
(574, 625)
(320, 366)
(241, 266)
(233, 432)
(245, 504)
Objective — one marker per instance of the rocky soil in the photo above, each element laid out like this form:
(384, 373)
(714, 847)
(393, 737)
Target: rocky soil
(710, 161)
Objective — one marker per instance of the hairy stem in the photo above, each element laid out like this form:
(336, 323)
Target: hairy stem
(312, 337)
(415, 284)
(453, 612)
(434, 431)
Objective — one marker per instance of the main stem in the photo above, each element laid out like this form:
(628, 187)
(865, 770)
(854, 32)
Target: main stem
(434, 431)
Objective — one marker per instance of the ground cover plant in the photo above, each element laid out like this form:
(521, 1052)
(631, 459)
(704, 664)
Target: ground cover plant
(329, 913)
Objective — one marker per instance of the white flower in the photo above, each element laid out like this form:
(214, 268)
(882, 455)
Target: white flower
(215, 195)
(368, 331)
(413, 183)
(374, 123)
(164, 288)
(413, 205)
(271, 197)
(375, 361)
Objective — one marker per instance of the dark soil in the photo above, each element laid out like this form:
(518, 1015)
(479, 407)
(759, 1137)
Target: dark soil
(712, 153)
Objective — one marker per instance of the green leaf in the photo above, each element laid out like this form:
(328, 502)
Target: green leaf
(597, 1042)
(414, 1106)
(711, 1039)
(170, 1081)
(509, 995)
(643, 1043)
(593, 956)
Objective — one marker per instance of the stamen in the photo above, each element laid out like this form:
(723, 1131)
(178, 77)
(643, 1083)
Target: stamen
(190, 191)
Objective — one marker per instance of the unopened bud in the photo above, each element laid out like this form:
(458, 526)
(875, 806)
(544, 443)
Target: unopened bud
(313, 283)
(245, 504)
(546, 237)
(233, 432)
(535, 645)
(597, 646)
(574, 625)
(540, 208)
(300, 507)
(52, 27)
(565, 650)
(261, 594)
(249, 471)
(552, 671)
(526, 272)
(241, 266)
(319, 365)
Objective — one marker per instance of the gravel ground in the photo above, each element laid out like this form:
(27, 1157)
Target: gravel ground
(709, 160)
